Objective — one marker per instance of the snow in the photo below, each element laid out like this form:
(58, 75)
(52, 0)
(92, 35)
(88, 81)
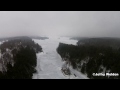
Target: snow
(77, 73)
(0, 58)
(1, 43)
(49, 62)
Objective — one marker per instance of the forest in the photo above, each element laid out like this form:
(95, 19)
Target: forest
(18, 58)
(93, 55)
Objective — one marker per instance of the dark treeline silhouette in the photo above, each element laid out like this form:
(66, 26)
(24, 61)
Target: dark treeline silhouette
(17, 42)
(112, 42)
(18, 58)
(88, 57)
(24, 37)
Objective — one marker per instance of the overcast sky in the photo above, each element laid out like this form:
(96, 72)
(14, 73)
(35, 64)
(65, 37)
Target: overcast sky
(61, 23)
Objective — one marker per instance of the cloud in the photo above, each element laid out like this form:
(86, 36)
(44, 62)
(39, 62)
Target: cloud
(62, 23)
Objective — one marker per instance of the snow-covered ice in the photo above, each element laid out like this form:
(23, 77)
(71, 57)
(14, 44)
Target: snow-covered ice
(49, 62)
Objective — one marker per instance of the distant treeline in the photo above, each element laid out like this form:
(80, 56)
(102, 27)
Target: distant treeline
(112, 42)
(93, 56)
(24, 37)
(13, 38)
(18, 58)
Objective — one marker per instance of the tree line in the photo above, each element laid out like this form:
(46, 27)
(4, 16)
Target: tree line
(92, 58)
(24, 59)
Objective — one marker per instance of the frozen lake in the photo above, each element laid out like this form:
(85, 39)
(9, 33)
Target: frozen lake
(49, 62)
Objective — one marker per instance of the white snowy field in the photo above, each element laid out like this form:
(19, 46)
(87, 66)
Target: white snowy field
(49, 62)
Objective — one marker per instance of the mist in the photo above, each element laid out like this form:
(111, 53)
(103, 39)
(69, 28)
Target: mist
(60, 23)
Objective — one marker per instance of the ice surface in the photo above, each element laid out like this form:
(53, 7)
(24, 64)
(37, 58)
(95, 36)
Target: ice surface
(49, 62)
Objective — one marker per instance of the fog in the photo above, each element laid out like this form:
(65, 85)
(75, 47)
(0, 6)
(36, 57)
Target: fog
(60, 23)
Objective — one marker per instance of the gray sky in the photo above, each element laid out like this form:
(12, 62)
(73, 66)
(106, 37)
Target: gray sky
(61, 23)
